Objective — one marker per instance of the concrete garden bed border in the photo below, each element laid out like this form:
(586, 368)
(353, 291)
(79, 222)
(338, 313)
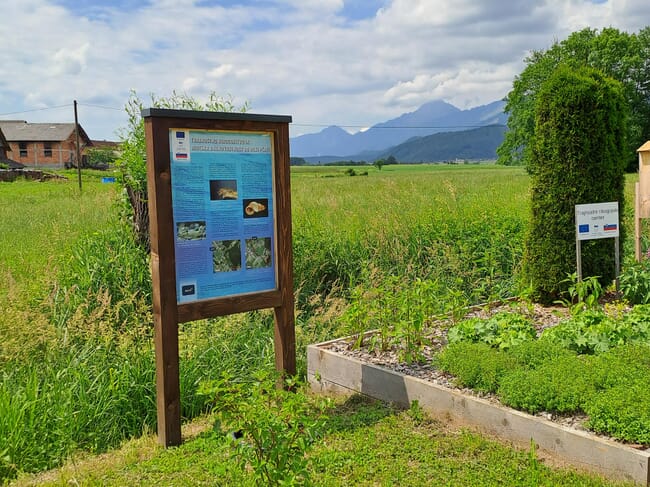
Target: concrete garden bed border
(331, 372)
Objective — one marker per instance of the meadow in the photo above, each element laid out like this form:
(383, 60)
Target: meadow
(76, 356)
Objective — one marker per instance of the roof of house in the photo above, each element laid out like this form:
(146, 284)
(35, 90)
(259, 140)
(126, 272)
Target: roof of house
(22, 131)
(3, 142)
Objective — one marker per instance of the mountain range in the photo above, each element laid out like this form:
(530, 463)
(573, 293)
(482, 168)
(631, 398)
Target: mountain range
(413, 128)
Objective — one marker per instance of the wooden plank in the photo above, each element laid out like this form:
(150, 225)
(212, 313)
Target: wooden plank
(224, 306)
(163, 271)
(285, 340)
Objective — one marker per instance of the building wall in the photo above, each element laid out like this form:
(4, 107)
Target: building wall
(63, 153)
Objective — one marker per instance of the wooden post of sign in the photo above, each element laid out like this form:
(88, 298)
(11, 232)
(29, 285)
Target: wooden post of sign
(168, 311)
(163, 273)
(637, 222)
(642, 196)
(285, 339)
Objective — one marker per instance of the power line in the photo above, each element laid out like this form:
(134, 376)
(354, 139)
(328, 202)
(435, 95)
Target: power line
(100, 106)
(35, 110)
(390, 126)
(60, 106)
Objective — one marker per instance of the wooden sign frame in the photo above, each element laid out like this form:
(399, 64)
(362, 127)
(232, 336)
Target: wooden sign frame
(167, 310)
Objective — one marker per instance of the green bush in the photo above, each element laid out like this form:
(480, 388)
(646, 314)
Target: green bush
(271, 428)
(622, 411)
(578, 157)
(561, 384)
(475, 365)
(621, 406)
(534, 353)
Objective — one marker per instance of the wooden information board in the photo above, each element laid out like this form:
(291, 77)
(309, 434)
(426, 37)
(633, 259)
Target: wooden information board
(220, 222)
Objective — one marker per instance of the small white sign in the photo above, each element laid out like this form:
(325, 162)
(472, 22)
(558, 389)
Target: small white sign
(180, 145)
(597, 220)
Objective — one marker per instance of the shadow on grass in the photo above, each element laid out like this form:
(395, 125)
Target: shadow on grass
(357, 411)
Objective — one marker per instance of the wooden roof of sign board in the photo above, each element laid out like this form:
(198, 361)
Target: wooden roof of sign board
(23, 131)
(645, 147)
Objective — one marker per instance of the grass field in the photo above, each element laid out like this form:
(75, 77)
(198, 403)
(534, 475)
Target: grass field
(76, 358)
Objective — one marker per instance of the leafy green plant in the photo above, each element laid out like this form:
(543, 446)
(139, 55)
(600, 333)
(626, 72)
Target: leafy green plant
(583, 294)
(635, 282)
(414, 306)
(502, 330)
(398, 313)
(272, 428)
(594, 331)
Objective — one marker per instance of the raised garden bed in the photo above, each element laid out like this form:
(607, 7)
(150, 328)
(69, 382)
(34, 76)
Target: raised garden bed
(330, 371)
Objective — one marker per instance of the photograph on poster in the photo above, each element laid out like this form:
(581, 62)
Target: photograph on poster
(223, 189)
(190, 230)
(256, 208)
(258, 253)
(226, 255)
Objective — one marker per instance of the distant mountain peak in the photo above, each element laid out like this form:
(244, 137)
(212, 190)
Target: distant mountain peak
(430, 118)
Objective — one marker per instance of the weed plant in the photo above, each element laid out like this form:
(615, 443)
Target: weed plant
(270, 428)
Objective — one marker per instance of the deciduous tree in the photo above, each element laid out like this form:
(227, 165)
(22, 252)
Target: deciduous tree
(622, 56)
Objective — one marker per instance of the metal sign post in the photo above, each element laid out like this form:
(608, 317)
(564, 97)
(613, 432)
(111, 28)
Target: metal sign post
(595, 221)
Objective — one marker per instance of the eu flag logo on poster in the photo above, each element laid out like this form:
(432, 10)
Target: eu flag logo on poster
(583, 228)
(180, 135)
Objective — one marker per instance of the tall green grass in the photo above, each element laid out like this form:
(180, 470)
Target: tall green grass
(76, 355)
(462, 226)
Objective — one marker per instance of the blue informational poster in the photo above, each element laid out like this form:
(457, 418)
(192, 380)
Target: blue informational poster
(223, 209)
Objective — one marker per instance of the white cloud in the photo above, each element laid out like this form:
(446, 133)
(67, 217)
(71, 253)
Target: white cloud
(70, 61)
(293, 57)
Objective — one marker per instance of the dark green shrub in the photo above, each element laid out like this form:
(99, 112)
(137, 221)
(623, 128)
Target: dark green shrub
(560, 385)
(578, 157)
(475, 365)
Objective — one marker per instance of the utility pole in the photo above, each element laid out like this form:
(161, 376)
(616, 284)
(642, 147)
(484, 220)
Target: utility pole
(76, 130)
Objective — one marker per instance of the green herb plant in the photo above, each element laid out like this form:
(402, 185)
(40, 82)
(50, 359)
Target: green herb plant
(634, 282)
(502, 330)
(583, 294)
(271, 428)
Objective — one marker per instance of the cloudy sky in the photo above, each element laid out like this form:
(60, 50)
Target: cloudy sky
(351, 63)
